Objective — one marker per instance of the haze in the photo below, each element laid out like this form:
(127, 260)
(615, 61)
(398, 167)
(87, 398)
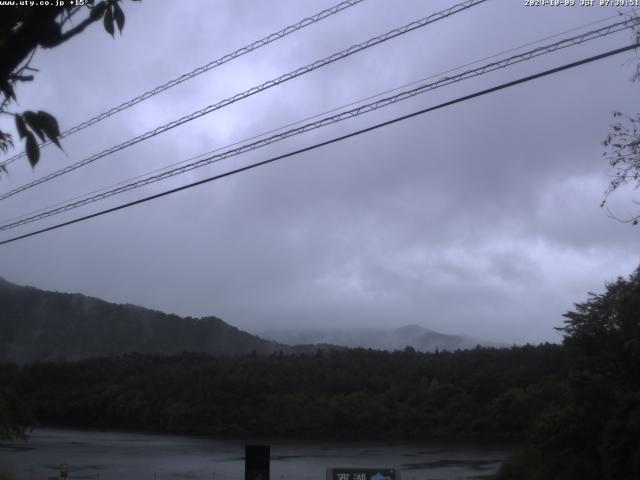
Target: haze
(483, 218)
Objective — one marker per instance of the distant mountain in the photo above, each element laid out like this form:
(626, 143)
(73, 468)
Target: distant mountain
(37, 325)
(420, 338)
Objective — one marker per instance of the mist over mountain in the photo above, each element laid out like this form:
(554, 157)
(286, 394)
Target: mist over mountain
(42, 326)
(420, 338)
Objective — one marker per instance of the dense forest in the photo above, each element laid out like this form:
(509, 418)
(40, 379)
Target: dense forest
(577, 404)
(353, 393)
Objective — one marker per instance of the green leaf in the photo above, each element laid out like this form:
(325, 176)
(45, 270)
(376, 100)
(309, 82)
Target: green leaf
(21, 127)
(7, 89)
(96, 12)
(5, 141)
(34, 122)
(108, 21)
(119, 16)
(33, 151)
(49, 125)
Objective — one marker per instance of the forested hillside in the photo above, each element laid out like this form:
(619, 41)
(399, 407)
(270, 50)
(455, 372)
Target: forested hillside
(36, 325)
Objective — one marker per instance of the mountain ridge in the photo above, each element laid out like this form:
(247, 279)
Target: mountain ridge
(420, 338)
(40, 326)
(47, 326)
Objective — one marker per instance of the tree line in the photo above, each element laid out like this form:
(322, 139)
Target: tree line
(351, 393)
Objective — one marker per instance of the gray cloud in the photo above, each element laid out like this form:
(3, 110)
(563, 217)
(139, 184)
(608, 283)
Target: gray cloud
(482, 218)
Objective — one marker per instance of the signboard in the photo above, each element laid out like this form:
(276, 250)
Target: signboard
(256, 462)
(363, 474)
(64, 469)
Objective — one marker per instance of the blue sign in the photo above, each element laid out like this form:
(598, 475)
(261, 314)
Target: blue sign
(363, 474)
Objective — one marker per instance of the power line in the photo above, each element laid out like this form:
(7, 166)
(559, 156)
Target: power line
(384, 102)
(614, 28)
(317, 115)
(331, 141)
(252, 91)
(204, 68)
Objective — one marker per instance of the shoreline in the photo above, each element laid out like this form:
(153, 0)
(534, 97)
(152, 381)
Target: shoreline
(510, 442)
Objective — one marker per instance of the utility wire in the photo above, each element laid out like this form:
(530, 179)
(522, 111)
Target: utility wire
(331, 141)
(49, 211)
(205, 68)
(317, 115)
(252, 91)
(384, 102)
(312, 117)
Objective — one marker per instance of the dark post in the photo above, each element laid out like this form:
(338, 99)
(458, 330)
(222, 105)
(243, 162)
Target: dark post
(256, 462)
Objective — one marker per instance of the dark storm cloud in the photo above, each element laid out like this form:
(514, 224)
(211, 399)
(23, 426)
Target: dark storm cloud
(482, 218)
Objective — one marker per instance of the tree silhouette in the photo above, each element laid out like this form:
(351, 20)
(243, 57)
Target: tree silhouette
(23, 29)
(623, 148)
(593, 431)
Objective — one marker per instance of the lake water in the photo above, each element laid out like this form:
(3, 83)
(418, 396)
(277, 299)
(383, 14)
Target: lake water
(132, 456)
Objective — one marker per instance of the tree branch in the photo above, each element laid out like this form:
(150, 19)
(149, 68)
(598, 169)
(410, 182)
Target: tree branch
(632, 220)
(95, 14)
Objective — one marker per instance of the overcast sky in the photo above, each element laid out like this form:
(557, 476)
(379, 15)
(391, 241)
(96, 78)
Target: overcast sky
(482, 218)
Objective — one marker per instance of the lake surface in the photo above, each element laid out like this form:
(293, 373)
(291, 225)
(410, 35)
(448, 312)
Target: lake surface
(132, 456)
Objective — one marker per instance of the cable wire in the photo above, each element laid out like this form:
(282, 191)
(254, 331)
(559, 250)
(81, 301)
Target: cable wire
(252, 91)
(317, 115)
(370, 107)
(204, 68)
(331, 141)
